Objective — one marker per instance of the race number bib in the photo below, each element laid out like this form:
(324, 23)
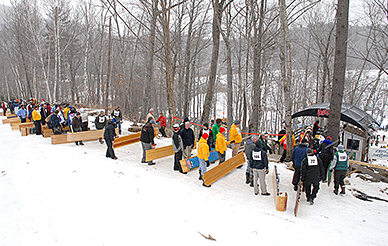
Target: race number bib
(116, 113)
(342, 156)
(256, 155)
(312, 160)
(101, 119)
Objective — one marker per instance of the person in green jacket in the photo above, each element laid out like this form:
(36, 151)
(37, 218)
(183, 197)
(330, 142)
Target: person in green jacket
(216, 129)
(340, 166)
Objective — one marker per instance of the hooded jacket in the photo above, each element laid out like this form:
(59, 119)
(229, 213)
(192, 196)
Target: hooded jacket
(259, 157)
(299, 154)
(221, 143)
(203, 150)
(147, 134)
(235, 134)
(312, 169)
(110, 133)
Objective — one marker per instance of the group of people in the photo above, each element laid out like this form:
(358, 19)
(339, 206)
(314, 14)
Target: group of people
(311, 166)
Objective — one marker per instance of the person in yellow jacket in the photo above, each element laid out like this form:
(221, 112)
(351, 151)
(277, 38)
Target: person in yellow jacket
(235, 137)
(203, 155)
(37, 118)
(221, 144)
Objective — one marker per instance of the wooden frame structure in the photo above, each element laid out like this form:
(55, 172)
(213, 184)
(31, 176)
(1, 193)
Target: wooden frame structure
(130, 139)
(223, 169)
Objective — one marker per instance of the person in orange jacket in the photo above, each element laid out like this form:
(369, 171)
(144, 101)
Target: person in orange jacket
(235, 137)
(221, 144)
(203, 155)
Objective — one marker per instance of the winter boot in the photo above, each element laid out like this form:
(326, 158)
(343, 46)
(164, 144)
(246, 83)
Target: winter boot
(100, 140)
(76, 143)
(81, 143)
(335, 191)
(248, 178)
(251, 181)
(342, 190)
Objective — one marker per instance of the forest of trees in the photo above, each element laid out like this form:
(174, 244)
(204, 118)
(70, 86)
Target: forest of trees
(178, 56)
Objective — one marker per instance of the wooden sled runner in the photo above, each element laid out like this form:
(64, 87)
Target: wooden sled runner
(158, 153)
(223, 169)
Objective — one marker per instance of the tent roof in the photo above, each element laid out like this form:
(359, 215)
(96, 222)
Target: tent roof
(349, 113)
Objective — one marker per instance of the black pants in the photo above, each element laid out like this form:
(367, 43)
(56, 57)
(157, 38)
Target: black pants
(311, 194)
(339, 176)
(296, 178)
(283, 155)
(84, 126)
(23, 120)
(109, 152)
(38, 128)
(326, 163)
(177, 158)
(221, 157)
(161, 130)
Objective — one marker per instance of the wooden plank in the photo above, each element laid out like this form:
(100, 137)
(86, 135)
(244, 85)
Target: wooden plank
(367, 164)
(130, 139)
(223, 169)
(365, 170)
(27, 124)
(158, 153)
(47, 132)
(59, 139)
(8, 121)
(85, 136)
(126, 140)
(24, 131)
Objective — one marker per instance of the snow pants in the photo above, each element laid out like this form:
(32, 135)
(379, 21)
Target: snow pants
(38, 128)
(145, 146)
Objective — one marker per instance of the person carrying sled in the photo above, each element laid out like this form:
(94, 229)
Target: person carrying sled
(109, 136)
(312, 173)
(203, 156)
(221, 144)
(177, 145)
(340, 165)
(100, 122)
(147, 140)
(235, 137)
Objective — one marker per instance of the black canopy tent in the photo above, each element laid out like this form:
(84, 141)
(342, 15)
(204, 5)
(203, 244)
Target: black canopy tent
(349, 113)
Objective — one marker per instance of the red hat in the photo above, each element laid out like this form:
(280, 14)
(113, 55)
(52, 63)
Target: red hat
(222, 129)
(329, 137)
(205, 135)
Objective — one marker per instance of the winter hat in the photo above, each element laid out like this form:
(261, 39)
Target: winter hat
(222, 129)
(205, 135)
(237, 122)
(328, 137)
(206, 124)
(152, 122)
(185, 119)
(309, 151)
(176, 126)
(101, 112)
(114, 120)
(340, 147)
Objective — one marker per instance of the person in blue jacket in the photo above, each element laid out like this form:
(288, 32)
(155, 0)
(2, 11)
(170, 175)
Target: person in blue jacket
(298, 154)
(22, 114)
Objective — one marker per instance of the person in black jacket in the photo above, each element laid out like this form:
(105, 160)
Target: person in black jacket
(187, 135)
(177, 145)
(77, 126)
(326, 153)
(147, 140)
(109, 136)
(312, 173)
(117, 114)
(55, 123)
(210, 140)
(259, 167)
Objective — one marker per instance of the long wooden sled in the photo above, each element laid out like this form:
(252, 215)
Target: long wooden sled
(130, 139)
(223, 169)
(85, 136)
(158, 153)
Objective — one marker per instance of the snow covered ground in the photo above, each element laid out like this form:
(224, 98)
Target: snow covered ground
(73, 195)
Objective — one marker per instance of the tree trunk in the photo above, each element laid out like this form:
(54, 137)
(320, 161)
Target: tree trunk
(339, 68)
(109, 66)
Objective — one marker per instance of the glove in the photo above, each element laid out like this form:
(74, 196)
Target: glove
(207, 163)
(153, 146)
(331, 170)
(266, 171)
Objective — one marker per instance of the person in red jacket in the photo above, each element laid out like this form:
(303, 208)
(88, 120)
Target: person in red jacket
(163, 124)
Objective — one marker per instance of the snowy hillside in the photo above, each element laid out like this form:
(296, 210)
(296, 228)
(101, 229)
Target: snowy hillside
(73, 195)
